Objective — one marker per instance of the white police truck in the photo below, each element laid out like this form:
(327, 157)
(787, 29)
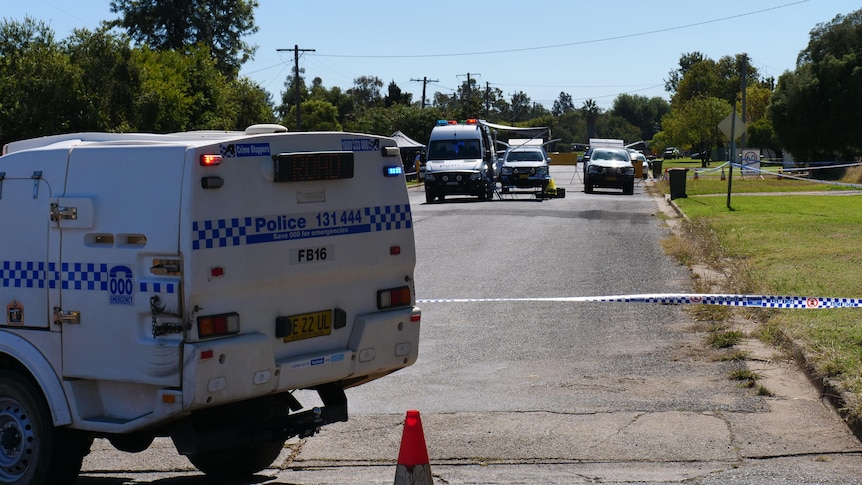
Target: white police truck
(186, 285)
(461, 160)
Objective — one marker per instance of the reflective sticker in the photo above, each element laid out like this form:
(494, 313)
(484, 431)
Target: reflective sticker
(117, 279)
(237, 150)
(241, 231)
(360, 144)
(15, 314)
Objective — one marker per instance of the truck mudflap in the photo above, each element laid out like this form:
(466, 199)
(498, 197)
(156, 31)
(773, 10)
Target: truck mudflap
(269, 419)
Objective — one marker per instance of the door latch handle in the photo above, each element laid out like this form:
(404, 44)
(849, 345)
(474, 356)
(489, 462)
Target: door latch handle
(61, 317)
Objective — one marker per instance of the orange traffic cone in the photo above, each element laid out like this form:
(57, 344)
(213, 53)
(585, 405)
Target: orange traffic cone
(722, 175)
(695, 175)
(413, 463)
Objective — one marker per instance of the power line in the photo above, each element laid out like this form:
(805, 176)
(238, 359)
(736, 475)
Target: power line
(569, 44)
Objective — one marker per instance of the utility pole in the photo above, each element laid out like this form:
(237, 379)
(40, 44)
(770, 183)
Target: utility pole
(487, 98)
(733, 128)
(425, 82)
(744, 73)
(469, 94)
(296, 51)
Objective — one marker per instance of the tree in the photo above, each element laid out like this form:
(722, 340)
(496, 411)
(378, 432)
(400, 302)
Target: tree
(40, 90)
(704, 77)
(642, 112)
(469, 102)
(612, 126)
(812, 106)
(694, 123)
(366, 91)
(250, 104)
(686, 61)
(288, 96)
(178, 25)
(521, 106)
(496, 108)
(108, 77)
(336, 97)
(317, 115)
(395, 96)
(563, 104)
(591, 111)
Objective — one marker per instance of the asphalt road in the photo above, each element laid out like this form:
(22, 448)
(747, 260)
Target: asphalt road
(544, 392)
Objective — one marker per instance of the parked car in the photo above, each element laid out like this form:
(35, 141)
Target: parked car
(671, 152)
(609, 167)
(524, 167)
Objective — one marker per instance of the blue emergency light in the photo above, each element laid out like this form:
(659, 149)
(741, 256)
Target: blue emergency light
(393, 171)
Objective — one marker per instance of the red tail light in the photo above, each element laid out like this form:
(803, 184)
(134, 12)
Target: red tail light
(394, 298)
(210, 160)
(218, 325)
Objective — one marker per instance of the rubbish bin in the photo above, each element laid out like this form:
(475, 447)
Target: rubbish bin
(677, 182)
(656, 168)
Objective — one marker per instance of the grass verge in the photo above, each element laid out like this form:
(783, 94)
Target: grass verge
(805, 245)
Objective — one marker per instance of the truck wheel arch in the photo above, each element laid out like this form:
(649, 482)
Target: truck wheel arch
(20, 355)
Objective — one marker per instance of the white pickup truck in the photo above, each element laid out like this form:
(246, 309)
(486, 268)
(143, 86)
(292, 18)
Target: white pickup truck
(185, 285)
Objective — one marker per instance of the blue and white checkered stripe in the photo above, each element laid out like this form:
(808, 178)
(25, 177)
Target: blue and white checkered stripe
(68, 276)
(389, 217)
(750, 301)
(23, 274)
(220, 233)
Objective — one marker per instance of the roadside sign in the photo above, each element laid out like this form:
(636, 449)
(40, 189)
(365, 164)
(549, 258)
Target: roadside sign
(750, 161)
(726, 125)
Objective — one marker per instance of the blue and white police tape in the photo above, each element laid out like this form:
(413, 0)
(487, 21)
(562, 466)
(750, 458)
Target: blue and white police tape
(750, 301)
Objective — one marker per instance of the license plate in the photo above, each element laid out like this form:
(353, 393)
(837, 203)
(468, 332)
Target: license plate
(309, 325)
(611, 179)
(524, 176)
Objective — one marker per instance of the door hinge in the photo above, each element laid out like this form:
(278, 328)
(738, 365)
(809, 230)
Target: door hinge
(58, 212)
(61, 317)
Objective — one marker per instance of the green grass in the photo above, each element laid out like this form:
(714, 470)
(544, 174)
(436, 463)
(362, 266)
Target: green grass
(724, 339)
(798, 245)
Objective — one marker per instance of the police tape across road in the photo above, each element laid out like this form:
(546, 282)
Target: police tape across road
(750, 301)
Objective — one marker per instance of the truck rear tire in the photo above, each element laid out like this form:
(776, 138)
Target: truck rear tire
(32, 450)
(242, 461)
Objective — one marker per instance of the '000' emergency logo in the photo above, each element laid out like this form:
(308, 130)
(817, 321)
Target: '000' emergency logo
(121, 285)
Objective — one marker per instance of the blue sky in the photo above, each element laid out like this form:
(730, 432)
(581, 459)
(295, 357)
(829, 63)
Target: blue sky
(595, 49)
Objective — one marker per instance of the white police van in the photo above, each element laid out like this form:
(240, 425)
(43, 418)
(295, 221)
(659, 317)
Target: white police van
(185, 285)
(461, 160)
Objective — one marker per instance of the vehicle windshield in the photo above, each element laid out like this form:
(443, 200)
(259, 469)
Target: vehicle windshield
(454, 149)
(615, 155)
(525, 156)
